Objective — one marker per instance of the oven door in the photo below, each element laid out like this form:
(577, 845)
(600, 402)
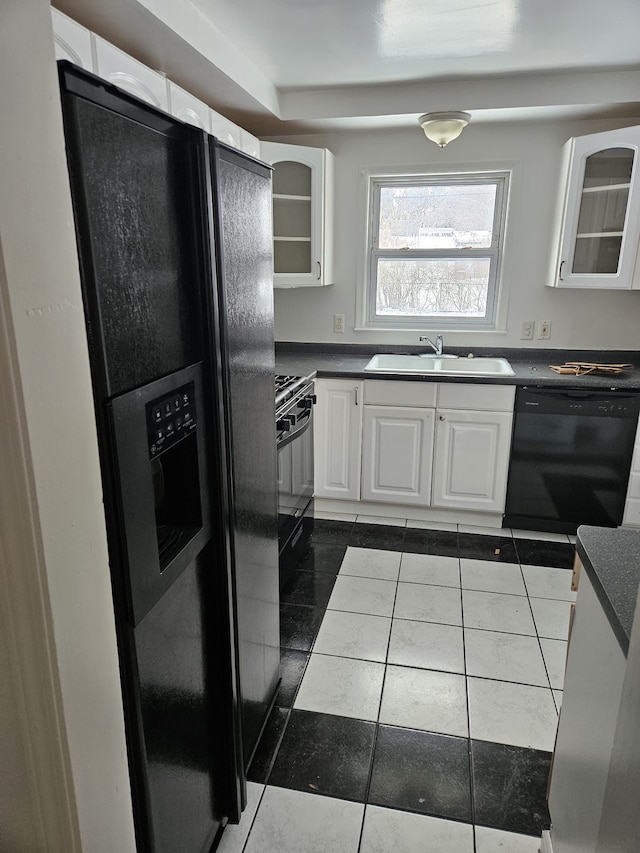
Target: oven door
(295, 475)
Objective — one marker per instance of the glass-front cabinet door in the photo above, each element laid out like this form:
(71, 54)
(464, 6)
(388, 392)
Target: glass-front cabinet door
(302, 214)
(601, 217)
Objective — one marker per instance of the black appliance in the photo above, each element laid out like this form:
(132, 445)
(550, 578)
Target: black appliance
(174, 240)
(570, 458)
(295, 400)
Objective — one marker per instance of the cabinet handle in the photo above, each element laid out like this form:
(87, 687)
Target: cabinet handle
(560, 271)
(442, 418)
(356, 395)
(319, 270)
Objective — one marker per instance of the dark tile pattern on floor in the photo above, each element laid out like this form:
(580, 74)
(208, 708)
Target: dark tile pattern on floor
(331, 532)
(322, 557)
(421, 772)
(474, 546)
(292, 666)
(264, 755)
(325, 754)
(383, 536)
(490, 784)
(299, 626)
(310, 588)
(535, 552)
(442, 543)
(510, 787)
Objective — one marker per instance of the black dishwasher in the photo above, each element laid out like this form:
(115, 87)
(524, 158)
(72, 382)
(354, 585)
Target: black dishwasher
(570, 458)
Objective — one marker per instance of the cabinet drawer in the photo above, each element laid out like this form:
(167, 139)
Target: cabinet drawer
(484, 398)
(414, 394)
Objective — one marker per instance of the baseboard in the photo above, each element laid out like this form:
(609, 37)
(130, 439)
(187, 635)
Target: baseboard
(458, 516)
(545, 844)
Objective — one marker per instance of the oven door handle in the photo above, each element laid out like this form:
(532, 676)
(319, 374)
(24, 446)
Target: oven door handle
(291, 436)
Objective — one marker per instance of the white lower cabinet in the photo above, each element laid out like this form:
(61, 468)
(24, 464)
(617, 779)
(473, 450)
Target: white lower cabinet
(397, 453)
(471, 459)
(421, 444)
(338, 438)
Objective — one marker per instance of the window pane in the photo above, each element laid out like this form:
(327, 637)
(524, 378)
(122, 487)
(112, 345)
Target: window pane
(436, 216)
(434, 287)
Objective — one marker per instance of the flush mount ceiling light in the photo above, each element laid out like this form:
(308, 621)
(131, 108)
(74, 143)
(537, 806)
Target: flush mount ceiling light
(441, 128)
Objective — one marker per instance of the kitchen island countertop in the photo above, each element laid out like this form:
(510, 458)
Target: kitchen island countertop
(611, 558)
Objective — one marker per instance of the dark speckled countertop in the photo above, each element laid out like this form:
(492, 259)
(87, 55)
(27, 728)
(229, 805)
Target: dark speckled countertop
(612, 560)
(530, 366)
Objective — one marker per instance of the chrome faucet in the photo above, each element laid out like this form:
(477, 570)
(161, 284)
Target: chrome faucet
(437, 347)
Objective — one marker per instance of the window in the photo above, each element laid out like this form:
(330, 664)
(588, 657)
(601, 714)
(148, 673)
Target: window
(434, 250)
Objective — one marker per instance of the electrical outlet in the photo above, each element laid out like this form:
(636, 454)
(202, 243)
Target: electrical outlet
(526, 333)
(544, 330)
(338, 323)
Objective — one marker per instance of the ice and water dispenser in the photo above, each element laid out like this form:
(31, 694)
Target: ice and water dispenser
(161, 469)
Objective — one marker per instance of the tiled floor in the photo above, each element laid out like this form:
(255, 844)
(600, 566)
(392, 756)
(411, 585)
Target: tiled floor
(422, 672)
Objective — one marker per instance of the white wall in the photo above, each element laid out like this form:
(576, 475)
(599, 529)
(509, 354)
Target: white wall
(65, 782)
(580, 319)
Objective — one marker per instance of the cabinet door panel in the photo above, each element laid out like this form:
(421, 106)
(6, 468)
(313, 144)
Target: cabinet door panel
(302, 213)
(396, 454)
(471, 459)
(600, 218)
(130, 75)
(338, 438)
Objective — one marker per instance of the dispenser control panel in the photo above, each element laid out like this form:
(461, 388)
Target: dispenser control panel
(171, 418)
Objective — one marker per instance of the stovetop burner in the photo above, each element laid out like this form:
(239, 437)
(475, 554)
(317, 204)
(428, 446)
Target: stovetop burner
(287, 387)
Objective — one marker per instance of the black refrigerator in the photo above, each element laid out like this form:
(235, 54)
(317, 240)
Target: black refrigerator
(174, 240)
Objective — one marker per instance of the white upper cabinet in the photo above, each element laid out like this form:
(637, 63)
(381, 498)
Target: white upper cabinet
(599, 223)
(302, 214)
(226, 131)
(188, 109)
(72, 41)
(250, 144)
(117, 67)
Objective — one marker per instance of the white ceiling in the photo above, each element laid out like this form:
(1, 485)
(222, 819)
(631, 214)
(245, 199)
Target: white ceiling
(287, 66)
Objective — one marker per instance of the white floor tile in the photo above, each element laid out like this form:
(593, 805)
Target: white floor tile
(353, 635)
(555, 657)
(294, 821)
(551, 617)
(381, 519)
(334, 516)
(342, 686)
(540, 535)
(543, 582)
(426, 645)
(498, 841)
(557, 698)
(235, 834)
(515, 714)
(493, 611)
(371, 563)
(484, 531)
(424, 603)
(423, 699)
(391, 831)
(449, 526)
(504, 657)
(363, 595)
(489, 576)
(431, 569)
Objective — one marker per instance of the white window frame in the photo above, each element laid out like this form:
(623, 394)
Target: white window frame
(370, 320)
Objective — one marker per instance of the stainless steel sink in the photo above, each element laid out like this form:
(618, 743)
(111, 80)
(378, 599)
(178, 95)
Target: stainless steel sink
(431, 365)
